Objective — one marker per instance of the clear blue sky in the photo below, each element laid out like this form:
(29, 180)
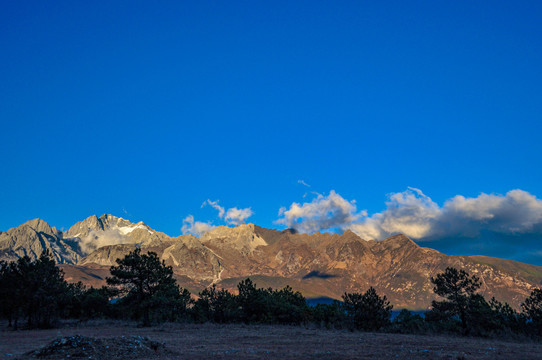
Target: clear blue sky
(145, 110)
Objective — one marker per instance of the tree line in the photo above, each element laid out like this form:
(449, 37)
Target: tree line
(142, 288)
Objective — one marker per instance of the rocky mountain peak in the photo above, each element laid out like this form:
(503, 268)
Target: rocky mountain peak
(272, 235)
(32, 238)
(223, 231)
(350, 235)
(242, 238)
(93, 224)
(109, 221)
(188, 239)
(397, 241)
(83, 228)
(39, 225)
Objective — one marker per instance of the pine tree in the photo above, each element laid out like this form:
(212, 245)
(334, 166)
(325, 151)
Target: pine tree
(148, 287)
(532, 310)
(459, 288)
(367, 311)
(35, 290)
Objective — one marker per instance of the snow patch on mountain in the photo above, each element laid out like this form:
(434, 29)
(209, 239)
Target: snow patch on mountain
(125, 230)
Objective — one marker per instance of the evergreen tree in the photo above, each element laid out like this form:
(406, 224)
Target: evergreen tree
(367, 311)
(506, 317)
(283, 306)
(35, 290)
(329, 315)
(252, 302)
(216, 305)
(458, 287)
(532, 310)
(288, 306)
(9, 288)
(150, 291)
(92, 302)
(409, 323)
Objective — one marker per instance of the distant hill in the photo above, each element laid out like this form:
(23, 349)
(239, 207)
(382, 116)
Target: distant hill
(319, 265)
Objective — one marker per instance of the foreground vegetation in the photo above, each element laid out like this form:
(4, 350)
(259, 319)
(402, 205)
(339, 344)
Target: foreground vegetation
(35, 294)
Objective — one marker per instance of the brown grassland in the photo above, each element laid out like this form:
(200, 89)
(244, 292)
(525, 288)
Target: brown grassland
(237, 341)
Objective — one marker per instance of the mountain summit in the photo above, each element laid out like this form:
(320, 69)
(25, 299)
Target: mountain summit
(320, 264)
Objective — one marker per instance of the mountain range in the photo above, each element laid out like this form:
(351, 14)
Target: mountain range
(318, 265)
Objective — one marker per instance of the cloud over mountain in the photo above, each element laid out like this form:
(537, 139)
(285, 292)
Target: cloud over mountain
(98, 238)
(235, 216)
(416, 215)
(323, 213)
(214, 204)
(232, 216)
(196, 228)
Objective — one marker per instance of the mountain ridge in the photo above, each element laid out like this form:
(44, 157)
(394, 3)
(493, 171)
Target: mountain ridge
(320, 264)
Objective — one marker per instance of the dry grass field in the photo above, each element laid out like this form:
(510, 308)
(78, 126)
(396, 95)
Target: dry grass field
(211, 341)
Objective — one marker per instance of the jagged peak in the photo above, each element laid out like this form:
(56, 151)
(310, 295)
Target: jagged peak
(241, 237)
(399, 240)
(90, 218)
(112, 218)
(39, 225)
(223, 230)
(108, 219)
(185, 238)
(288, 230)
(349, 234)
(91, 222)
(273, 235)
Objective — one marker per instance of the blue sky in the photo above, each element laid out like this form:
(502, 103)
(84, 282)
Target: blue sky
(148, 110)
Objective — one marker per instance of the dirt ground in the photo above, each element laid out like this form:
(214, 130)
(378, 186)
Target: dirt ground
(211, 341)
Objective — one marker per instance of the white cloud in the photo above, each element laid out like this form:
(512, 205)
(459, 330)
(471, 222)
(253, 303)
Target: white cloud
(303, 183)
(215, 205)
(196, 228)
(232, 216)
(410, 212)
(323, 213)
(235, 216)
(517, 212)
(99, 238)
(414, 214)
